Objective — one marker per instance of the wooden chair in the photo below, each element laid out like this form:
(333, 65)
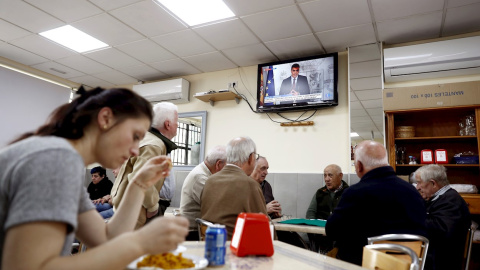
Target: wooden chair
(417, 243)
(202, 226)
(468, 243)
(374, 259)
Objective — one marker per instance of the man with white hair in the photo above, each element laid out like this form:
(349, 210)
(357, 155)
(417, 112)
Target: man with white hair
(381, 203)
(231, 191)
(193, 185)
(448, 218)
(157, 141)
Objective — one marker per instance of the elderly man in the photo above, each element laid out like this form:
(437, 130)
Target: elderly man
(448, 218)
(381, 203)
(323, 203)
(259, 174)
(156, 142)
(193, 185)
(231, 191)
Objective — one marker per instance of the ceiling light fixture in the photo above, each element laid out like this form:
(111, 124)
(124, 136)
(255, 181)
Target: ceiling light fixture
(74, 39)
(354, 134)
(194, 12)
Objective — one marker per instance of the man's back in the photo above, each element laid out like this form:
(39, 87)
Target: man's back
(380, 203)
(228, 193)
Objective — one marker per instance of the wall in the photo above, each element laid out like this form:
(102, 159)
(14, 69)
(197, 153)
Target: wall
(306, 149)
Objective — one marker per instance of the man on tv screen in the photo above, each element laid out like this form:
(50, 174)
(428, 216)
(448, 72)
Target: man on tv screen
(295, 84)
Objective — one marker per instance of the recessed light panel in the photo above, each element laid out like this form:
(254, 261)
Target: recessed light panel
(74, 39)
(195, 12)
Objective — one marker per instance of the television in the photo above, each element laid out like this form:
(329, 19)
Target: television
(307, 83)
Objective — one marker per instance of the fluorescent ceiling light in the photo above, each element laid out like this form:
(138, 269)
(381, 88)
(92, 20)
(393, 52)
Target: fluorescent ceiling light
(353, 134)
(74, 39)
(195, 12)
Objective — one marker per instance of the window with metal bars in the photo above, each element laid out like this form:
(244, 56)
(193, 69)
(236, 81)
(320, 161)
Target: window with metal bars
(187, 136)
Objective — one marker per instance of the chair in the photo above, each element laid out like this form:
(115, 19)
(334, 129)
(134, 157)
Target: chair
(468, 243)
(375, 260)
(417, 243)
(202, 226)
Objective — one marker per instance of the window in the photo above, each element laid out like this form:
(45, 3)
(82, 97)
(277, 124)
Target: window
(190, 139)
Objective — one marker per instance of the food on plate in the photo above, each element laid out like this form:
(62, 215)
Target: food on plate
(166, 261)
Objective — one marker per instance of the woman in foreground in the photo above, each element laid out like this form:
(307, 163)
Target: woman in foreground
(44, 204)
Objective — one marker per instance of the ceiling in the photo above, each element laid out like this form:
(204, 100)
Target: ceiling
(148, 44)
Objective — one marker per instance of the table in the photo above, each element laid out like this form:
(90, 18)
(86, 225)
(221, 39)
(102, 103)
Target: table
(297, 227)
(285, 257)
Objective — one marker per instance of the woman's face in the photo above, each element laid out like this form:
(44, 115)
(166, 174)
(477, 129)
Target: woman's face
(120, 142)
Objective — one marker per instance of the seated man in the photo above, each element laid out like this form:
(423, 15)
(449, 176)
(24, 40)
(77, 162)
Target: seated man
(100, 185)
(104, 205)
(231, 191)
(259, 174)
(448, 218)
(193, 185)
(381, 203)
(323, 203)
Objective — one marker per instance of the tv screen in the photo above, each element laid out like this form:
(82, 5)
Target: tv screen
(298, 84)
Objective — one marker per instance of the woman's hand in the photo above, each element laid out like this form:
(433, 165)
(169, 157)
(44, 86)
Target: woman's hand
(163, 234)
(154, 169)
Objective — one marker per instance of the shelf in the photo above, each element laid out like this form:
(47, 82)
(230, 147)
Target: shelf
(437, 138)
(445, 165)
(222, 96)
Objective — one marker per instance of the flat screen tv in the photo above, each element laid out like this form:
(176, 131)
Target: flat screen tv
(306, 83)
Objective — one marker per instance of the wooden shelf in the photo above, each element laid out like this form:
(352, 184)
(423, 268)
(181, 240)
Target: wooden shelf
(437, 138)
(445, 165)
(222, 96)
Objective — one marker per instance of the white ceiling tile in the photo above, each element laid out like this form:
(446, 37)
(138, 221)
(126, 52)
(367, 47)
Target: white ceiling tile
(364, 53)
(295, 47)
(353, 97)
(109, 4)
(67, 11)
(360, 119)
(355, 105)
(175, 67)
(108, 29)
(144, 73)
(58, 70)
(210, 62)
(340, 39)
(462, 20)
(181, 43)
(246, 7)
(375, 103)
(391, 9)
(113, 58)
(146, 51)
(458, 3)
(19, 55)
(250, 55)
(148, 18)
(10, 32)
(358, 112)
(375, 112)
(228, 34)
(410, 28)
(366, 69)
(324, 15)
(377, 118)
(43, 47)
(269, 26)
(83, 64)
(116, 77)
(21, 14)
(366, 83)
(92, 81)
(369, 94)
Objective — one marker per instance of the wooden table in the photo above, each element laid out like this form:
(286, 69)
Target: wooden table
(297, 227)
(285, 257)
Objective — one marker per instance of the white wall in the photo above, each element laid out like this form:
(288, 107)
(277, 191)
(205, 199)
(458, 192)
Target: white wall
(305, 149)
(25, 103)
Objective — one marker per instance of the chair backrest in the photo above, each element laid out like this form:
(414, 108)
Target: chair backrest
(417, 243)
(468, 243)
(374, 259)
(202, 226)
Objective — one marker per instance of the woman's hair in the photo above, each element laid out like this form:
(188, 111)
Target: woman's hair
(70, 120)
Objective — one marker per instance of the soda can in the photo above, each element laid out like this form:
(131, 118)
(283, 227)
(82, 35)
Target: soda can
(215, 238)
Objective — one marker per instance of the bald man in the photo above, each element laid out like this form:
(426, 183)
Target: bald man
(381, 203)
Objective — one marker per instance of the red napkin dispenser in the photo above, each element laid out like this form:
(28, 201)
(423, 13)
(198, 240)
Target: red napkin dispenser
(252, 235)
(441, 156)
(426, 156)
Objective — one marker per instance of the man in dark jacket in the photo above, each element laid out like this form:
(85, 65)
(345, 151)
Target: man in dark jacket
(100, 185)
(381, 203)
(448, 218)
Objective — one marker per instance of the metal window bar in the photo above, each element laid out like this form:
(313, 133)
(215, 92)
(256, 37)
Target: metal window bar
(187, 136)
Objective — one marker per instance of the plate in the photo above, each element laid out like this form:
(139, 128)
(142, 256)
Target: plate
(199, 262)
(179, 249)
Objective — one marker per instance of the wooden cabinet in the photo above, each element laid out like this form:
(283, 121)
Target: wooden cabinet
(436, 128)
